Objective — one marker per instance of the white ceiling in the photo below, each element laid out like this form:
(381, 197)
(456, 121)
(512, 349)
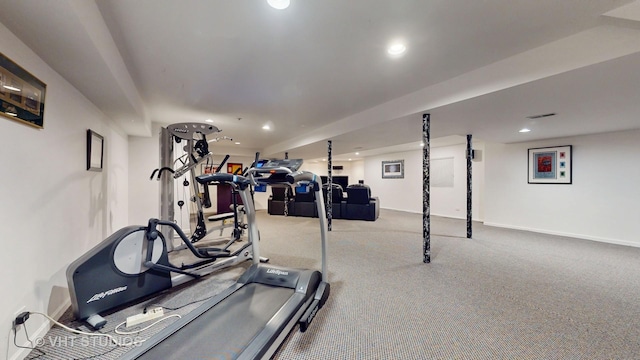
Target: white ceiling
(318, 70)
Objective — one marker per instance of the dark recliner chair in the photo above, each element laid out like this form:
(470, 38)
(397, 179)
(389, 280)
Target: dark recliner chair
(337, 200)
(275, 204)
(360, 205)
(304, 204)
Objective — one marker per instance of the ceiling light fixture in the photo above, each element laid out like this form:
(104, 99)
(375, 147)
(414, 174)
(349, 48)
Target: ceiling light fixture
(357, 153)
(525, 130)
(266, 127)
(209, 120)
(237, 142)
(279, 4)
(396, 49)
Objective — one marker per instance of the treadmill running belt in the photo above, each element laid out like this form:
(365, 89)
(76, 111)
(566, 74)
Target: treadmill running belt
(223, 331)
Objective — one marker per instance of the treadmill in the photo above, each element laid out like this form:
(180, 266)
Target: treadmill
(250, 319)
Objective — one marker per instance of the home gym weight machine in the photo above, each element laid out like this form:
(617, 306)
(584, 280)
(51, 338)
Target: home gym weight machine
(196, 153)
(133, 262)
(252, 318)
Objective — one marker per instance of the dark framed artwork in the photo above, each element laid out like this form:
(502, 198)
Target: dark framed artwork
(550, 165)
(21, 94)
(95, 151)
(393, 169)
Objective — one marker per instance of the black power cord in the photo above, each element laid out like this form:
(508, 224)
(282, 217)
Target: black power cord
(20, 320)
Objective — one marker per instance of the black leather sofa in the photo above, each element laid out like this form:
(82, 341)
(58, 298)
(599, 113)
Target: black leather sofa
(304, 204)
(353, 203)
(360, 205)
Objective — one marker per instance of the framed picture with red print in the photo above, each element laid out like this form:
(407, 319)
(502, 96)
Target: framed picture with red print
(550, 165)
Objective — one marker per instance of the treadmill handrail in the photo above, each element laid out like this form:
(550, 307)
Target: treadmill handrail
(239, 180)
(300, 175)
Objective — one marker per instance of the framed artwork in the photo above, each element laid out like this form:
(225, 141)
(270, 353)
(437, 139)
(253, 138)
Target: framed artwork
(550, 165)
(95, 149)
(209, 168)
(393, 169)
(21, 94)
(233, 167)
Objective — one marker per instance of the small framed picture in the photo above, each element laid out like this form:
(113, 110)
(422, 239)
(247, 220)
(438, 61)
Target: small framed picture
(209, 168)
(21, 94)
(95, 149)
(550, 165)
(234, 168)
(393, 169)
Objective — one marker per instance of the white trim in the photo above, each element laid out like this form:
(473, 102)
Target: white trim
(558, 233)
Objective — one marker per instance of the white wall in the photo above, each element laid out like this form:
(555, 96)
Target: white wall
(406, 194)
(601, 204)
(353, 169)
(144, 194)
(52, 209)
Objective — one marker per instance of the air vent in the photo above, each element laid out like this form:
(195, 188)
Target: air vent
(541, 116)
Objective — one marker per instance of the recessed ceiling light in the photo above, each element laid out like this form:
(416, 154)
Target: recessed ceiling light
(421, 144)
(237, 142)
(357, 153)
(396, 49)
(525, 130)
(209, 120)
(266, 127)
(279, 4)
(349, 159)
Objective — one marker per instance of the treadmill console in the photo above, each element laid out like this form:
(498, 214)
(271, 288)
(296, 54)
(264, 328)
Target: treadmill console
(272, 166)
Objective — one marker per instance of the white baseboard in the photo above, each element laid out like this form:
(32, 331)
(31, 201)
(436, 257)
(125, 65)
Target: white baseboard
(541, 231)
(57, 313)
(571, 235)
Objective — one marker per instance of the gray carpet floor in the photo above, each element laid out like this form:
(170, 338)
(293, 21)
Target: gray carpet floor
(504, 294)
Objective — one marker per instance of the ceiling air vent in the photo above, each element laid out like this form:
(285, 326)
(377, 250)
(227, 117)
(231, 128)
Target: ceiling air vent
(540, 116)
